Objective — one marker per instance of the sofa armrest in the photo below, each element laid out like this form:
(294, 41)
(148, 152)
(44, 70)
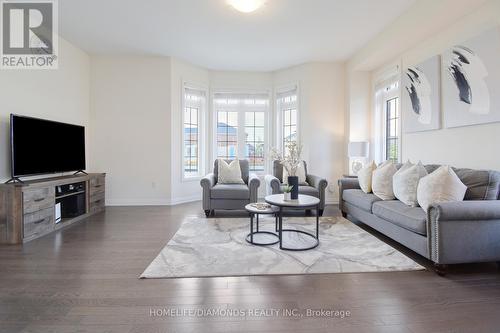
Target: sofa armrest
(464, 232)
(273, 185)
(346, 184)
(320, 184)
(466, 210)
(253, 185)
(207, 183)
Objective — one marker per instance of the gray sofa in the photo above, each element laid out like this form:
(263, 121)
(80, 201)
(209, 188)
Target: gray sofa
(315, 186)
(450, 233)
(229, 196)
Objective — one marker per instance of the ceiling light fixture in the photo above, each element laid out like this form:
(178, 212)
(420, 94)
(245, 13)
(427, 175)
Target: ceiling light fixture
(246, 6)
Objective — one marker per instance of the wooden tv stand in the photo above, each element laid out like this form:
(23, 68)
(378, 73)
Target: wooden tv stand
(27, 210)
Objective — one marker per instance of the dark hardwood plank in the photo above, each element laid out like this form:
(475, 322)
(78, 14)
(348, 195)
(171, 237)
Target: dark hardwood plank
(85, 279)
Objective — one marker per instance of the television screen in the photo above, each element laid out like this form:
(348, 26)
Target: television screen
(42, 146)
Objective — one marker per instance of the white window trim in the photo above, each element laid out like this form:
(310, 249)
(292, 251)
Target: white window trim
(202, 133)
(241, 120)
(278, 126)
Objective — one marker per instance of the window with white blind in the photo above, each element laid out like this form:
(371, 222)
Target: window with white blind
(241, 127)
(287, 106)
(194, 102)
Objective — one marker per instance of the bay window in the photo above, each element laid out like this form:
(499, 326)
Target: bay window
(240, 129)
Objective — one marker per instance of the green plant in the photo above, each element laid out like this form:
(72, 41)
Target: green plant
(287, 188)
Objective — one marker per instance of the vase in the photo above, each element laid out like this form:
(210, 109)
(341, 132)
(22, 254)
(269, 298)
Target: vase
(294, 181)
(287, 196)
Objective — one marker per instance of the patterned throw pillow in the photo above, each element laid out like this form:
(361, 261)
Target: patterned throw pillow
(405, 183)
(229, 173)
(365, 177)
(442, 185)
(382, 181)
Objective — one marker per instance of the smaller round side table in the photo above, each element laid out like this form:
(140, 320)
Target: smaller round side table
(255, 212)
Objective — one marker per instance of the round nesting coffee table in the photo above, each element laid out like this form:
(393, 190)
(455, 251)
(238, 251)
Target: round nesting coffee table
(254, 211)
(303, 202)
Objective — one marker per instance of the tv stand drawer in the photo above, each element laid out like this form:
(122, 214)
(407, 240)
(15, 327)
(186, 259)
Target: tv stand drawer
(38, 199)
(38, 223)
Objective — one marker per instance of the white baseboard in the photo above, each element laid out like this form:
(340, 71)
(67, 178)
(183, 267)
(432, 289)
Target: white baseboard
(151, 202)
(186, 199)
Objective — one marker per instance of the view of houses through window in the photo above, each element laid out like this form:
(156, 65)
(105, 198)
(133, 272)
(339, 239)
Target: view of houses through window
(241, 127)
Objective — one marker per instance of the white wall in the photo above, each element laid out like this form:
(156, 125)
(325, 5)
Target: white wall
(321, 118)
(61, 95)
(472, 146)
(130, 121)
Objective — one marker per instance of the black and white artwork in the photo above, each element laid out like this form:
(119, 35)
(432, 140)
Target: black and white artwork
(471, 81)
(421, 96)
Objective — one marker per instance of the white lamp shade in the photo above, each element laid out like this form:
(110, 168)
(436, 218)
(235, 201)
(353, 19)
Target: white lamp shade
(358, 149)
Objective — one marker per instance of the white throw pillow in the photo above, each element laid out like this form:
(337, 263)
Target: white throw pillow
(365, 177)
(405, 183)
(229, 173)
(382, 181)
(301, 173)
(443, 185)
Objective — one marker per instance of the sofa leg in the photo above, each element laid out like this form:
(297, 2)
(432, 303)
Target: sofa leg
(440, 269)
(320, 212)
(344, 215)
(207, 212)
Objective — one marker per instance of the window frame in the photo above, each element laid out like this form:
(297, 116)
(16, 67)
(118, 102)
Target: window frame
(397, 121)
(388, 95)
(280, 119)
(241, 111)
(202, 114)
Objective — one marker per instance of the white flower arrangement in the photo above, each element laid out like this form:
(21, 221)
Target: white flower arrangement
(290, 160)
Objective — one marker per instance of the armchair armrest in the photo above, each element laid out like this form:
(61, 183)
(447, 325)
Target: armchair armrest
(207, 183)
(346, 184)
(273, 185)
(317, 182)
(253, 185)
(469, 210)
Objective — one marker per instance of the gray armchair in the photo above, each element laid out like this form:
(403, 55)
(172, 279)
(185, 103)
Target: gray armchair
(315, 186)
(229, 196)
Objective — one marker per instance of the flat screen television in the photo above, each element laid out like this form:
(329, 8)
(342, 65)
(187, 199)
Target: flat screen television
(41, 146)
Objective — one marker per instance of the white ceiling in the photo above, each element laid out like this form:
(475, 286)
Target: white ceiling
(211, 34)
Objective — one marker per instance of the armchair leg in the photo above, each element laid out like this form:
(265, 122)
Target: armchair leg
(440, 269)
(207, 212)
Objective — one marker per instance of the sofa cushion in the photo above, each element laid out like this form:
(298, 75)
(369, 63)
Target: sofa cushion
(230, 191)
(481, 184)
(396, 212)
(360, 199)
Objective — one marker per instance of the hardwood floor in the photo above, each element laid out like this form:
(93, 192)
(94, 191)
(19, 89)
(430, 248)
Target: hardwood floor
(85, 279)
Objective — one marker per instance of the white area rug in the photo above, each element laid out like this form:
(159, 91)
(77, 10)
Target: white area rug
(217, 247)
